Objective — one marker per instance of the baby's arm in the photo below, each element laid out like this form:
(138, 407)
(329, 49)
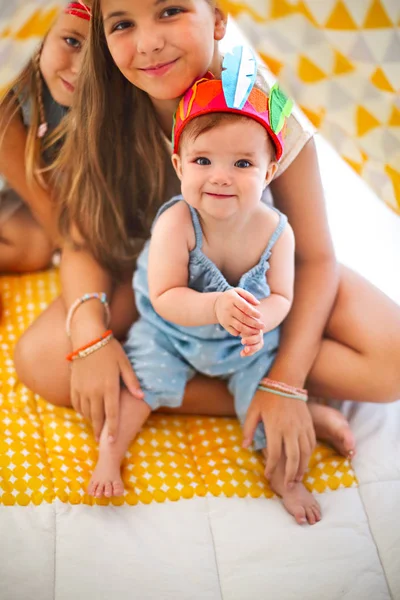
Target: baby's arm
(168, 271)
(280, 277)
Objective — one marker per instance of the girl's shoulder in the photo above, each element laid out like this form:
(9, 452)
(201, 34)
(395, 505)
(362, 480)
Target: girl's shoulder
(299, 129)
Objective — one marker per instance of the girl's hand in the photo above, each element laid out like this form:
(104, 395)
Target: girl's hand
(95, 386)
(234, 310)
(288, 427)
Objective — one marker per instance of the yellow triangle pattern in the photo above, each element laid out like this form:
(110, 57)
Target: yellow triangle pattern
(274, 65)
(377, 17)
(380, 80)
(358, 168)
(342, 65)
(308, 71)
(340, 18)
(394, 120)
(38, 25)
(315, 117)
(303, 9)
(48, 453)
(5, 33)
(365, 121)
(395, 179)
(238, 8)
(281, 8)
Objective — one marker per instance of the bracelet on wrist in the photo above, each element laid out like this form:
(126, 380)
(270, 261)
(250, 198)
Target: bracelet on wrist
(279, 388)
(91, 347)
(102, 297)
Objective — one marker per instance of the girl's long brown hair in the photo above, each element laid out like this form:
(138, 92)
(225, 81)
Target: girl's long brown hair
(111, 172)
(28, 88)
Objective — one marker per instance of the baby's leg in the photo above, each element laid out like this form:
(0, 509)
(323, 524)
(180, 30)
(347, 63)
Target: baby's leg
(106, 479)
(298, 501)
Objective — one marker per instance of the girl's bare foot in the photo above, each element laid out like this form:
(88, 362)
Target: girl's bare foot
(297, 500)
(106, 479)
(332, 427)
(300, 503)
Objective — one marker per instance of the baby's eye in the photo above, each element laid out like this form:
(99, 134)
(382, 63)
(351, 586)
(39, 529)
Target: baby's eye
(202, 161)
(171, 12)
(73, 43)
(242, 164)
(121, 26)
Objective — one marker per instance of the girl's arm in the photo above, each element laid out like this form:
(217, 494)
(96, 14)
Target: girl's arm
(12, 166)
(168, 271)
(299, 194)
(280, 278)
(95, 380)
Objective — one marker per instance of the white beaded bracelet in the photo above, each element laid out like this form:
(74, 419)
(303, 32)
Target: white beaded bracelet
(92, 296)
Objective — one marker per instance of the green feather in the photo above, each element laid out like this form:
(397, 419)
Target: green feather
(280, 107)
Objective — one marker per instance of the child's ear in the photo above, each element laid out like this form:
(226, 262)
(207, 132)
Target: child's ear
(272, 169)
(177, 164)
(220, 24)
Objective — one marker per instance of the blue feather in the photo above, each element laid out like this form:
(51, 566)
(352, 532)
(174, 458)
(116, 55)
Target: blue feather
(238, 76)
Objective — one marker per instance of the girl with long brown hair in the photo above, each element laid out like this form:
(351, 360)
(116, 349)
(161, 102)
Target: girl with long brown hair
(31, 116)
(341, 338)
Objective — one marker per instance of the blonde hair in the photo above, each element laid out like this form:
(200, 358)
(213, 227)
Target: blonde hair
(28, 88)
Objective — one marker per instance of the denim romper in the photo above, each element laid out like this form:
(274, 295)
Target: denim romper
(166, 356)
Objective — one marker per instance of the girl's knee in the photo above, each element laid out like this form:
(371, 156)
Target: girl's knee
(26, 357)
(26, 246)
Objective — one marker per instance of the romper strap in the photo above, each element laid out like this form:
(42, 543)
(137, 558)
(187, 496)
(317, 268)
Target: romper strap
(198, 232)
(275, 236)
(193, 213)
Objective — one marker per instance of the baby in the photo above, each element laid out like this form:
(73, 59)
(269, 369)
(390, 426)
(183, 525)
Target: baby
(216, 279)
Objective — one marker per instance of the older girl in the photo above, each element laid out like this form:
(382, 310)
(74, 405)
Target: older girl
(341, 338)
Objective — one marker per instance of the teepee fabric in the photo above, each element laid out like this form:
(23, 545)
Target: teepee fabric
(340, 60)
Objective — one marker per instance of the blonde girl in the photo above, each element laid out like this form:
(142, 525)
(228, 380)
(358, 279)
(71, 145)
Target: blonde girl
(30, 119)
(342, 337)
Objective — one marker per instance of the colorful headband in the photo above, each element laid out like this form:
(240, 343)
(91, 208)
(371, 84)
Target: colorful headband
(78, 9)
(235, 93)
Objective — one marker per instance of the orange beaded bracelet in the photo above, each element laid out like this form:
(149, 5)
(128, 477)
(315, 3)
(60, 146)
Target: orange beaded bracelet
(76, 353)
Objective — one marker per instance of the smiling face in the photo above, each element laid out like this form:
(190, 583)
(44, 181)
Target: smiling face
(60, 59)
(162, 46)
(225, 169)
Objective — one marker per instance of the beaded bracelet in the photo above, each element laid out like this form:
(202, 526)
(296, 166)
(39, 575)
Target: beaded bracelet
(91, 347)
(283, 387)
(93, 296)
(303, 397)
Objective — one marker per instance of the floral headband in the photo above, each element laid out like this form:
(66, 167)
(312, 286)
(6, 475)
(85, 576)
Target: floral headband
(235, 93)
(78, 9)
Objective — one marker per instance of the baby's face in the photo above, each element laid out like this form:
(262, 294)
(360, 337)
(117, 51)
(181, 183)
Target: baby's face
(225, 170)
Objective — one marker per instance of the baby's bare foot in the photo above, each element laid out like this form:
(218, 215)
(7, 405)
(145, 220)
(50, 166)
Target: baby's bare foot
(332, 427)
(106, 479)
(300, 503)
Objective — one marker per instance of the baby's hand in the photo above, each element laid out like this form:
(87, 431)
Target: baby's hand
(234, 310)
(252, 343)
